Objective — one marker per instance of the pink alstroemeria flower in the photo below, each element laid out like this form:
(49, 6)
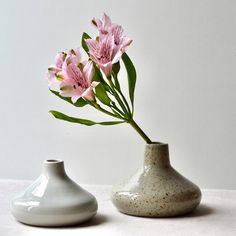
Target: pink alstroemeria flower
(77, 80)
(104, 53)
(54, 71)
(109, 46)
(106, 26)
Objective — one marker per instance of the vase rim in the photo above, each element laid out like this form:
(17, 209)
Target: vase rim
(157, 144)
(53, 161)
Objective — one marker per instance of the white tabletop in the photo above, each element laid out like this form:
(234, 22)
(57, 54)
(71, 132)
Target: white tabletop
(215, 216)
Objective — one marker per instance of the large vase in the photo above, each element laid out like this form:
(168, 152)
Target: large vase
(54, 199)
(157, 189)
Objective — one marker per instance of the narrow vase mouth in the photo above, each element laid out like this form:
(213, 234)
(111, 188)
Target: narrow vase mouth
(53, 161)
(54, 167)
(157, 144)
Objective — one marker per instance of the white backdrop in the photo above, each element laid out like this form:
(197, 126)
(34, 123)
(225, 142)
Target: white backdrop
(185, 55)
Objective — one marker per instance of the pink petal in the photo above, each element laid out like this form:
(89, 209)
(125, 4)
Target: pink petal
(125, 43)
(117, 56)
(88, 71)
(106, 20)
(75, 98)
(106, 68)
(51, 75)
(73, 56)
(97, 23)
(92, 44)
(68, 88)
(73, 72)
(94, 84)
(106, 47)
(88, 94)
(117, 31)
(59, 59)
(93, 47)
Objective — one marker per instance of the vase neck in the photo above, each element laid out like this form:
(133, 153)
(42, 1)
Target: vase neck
(157, 155)
(53, 168)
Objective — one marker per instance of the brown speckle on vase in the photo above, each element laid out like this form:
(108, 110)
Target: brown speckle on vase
(158, 189)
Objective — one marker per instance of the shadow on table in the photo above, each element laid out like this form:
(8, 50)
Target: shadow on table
(96, 220)
(201, 210)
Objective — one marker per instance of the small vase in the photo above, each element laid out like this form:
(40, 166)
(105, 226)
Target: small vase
(54, 199)
(157, 189)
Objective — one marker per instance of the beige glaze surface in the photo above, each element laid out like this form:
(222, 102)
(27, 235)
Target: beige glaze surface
(157, 189)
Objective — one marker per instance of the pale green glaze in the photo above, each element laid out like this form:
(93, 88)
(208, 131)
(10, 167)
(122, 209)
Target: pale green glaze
(157, 189)
(54, 199)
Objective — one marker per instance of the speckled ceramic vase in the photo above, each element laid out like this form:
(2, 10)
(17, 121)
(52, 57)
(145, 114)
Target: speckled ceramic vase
(157, 189)
(54, 199)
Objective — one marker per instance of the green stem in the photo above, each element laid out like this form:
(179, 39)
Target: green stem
(140, 131)
(116, 95)
(120, 92)
(113, 106)
(98, 107)
(126, 103)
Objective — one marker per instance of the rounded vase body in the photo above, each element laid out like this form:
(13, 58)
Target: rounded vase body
(157, 189)
(54, 199)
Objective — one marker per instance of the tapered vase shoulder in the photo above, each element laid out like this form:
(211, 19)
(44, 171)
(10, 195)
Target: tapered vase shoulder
(156, 189)
(54, 199)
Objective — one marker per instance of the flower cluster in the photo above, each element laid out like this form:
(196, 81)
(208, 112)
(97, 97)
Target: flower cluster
(75, 76)
(108, 48)
(95, 81)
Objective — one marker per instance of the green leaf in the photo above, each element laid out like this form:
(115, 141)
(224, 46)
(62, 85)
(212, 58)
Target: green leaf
(64, 117)
(97, 74)
(99, 77)
(101, 94)
(111, 122)
(83, 42)
(116, 67)
(117, 84)
(115, 71)
(131, 74)
(80, 102)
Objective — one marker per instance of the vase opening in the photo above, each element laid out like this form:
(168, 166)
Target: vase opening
(157, 143)
(53, 161)
(54, 167)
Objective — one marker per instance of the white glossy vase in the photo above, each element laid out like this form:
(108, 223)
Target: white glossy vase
(156, 189)
(54, 199)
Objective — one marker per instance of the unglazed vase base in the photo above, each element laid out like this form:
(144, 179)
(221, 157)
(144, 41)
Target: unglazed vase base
(54, 200)
(157, 189)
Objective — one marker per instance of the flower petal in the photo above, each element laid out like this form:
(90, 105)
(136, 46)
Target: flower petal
(117, 31)
(59, 59)
(88, 94)
(52, 75)
(75, 98)
(106, 21)
(73, 56)
(88, 71)
(125, 43)
(93, 47)
(68, 88)
(94, 84)
(117, 56)
(97, 23)
(106, 68)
